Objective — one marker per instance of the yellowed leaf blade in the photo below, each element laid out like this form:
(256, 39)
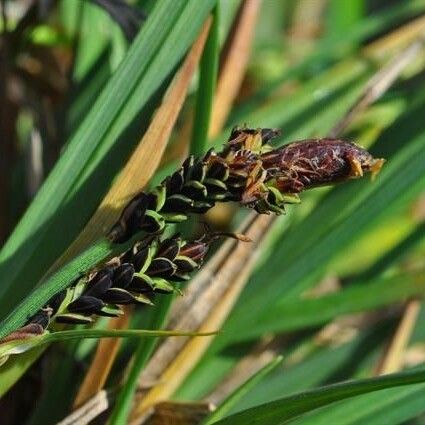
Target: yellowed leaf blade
(393, 357)
(397, 39)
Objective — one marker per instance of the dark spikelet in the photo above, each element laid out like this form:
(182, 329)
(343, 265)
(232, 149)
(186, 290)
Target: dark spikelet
(73, 319)
(133, 278)
(196, 251)
(219, 171)
(118, 296)
(100, 283)
(170, 248)
(185, 265)
(131, 218)
(86, 304)
(42, 318)
(152, 223)
(123, 275)
(162, 267)
(55, 302)
(174, 184)
(141, 285)
(139, 258)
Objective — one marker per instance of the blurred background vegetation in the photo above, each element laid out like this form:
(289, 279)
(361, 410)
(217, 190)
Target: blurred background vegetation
(334, 286)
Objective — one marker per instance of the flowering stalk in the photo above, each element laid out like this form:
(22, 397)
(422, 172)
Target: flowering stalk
(248, 170)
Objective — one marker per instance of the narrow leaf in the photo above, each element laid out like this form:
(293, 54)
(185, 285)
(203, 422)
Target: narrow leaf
(281, 411)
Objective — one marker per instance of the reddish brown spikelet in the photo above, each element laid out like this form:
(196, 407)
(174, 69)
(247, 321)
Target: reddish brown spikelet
(195, 250)
(316, 162)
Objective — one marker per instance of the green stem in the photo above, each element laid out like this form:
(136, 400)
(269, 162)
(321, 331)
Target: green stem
(115, 333)
(143, 352)
(206, 87)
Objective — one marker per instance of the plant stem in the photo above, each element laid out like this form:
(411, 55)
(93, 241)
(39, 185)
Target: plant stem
(143, 352)
(206, 87)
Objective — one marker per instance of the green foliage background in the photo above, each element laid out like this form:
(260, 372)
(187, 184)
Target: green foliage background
(366, 236)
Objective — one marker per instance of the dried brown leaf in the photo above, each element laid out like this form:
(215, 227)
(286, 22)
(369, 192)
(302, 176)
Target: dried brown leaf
(88, 411)
(394, 356)
(106, 351)
(233, 64)
(175, 413)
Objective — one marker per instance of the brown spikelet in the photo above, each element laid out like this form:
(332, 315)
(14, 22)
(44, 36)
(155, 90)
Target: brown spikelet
(247, 171)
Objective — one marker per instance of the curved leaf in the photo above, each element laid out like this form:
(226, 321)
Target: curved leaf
(281, 411)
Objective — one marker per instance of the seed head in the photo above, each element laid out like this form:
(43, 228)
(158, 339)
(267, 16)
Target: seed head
(316, 162)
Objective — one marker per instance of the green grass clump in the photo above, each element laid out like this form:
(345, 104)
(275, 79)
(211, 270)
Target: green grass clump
(319, 318)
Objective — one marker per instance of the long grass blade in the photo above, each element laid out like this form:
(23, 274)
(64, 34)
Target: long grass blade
(280, 411)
